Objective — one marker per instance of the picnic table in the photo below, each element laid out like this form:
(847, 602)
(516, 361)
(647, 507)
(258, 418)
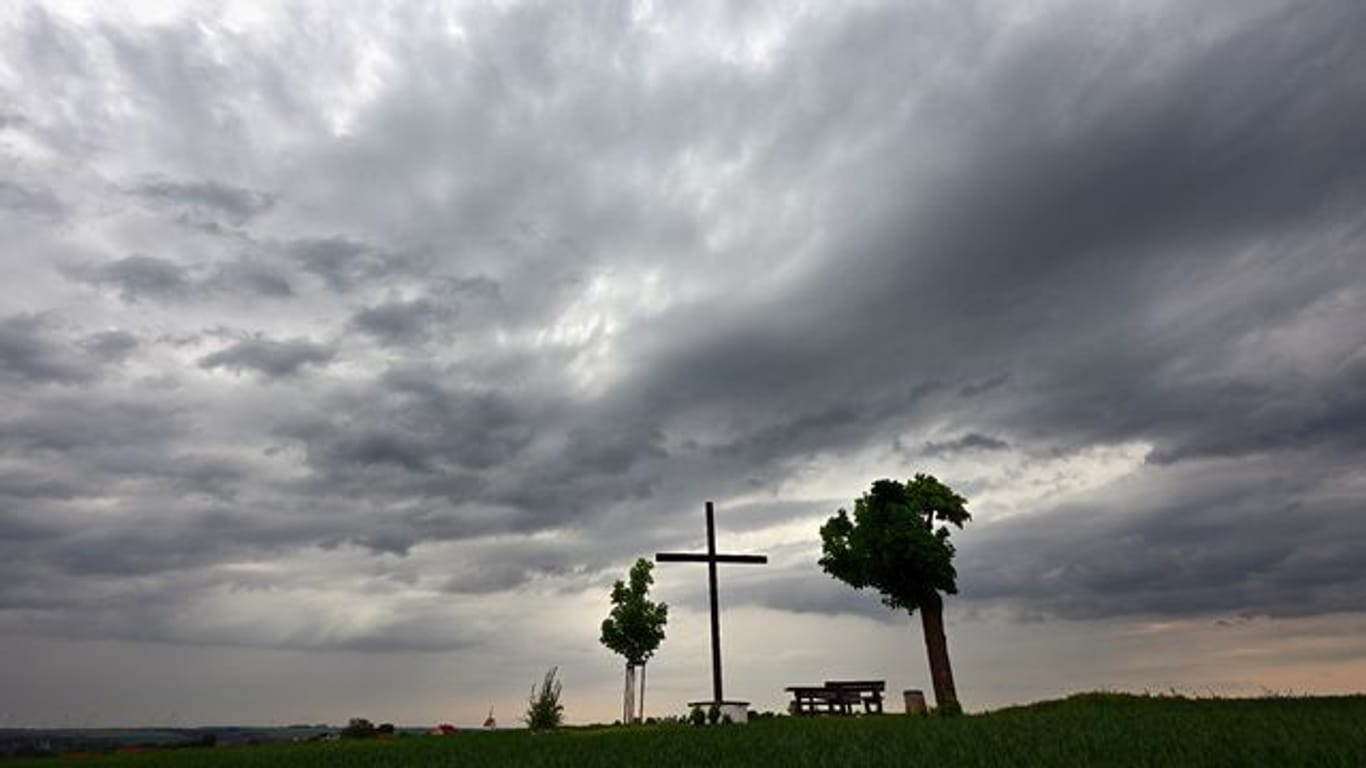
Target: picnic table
(837, 697)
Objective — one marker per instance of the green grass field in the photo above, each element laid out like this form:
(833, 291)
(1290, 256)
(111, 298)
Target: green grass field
(1090, 729)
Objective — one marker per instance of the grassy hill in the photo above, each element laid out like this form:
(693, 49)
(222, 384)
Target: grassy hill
(1088, 729)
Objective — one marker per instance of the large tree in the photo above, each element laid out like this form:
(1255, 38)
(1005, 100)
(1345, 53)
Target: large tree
(634, 629)
(898, 543)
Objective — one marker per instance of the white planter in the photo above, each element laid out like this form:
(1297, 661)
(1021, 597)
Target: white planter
(738, 711)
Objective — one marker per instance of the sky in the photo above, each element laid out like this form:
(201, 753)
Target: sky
(349, 351)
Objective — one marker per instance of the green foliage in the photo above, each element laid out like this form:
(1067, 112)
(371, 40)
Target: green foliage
(897, 542)
(544, 711)
(358, 728)
(713, 713)
(697, 717)
(635, 627)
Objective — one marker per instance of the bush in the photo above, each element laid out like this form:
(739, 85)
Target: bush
(358, 728)
(697, 717)
(713, 713)
(544, 711)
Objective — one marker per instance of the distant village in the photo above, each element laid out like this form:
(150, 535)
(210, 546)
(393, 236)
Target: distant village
(49, 742)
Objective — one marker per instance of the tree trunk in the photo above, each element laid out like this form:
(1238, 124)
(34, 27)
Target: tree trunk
(628, 704)
(641, 717)
(937, 649)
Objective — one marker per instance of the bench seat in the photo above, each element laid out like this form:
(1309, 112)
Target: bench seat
(837, 697)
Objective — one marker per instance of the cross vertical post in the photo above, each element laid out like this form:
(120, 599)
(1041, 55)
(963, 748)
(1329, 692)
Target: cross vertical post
(711, 558)
(715, 606)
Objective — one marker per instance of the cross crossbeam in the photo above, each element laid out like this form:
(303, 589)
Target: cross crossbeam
(712, 558)
(685, 557)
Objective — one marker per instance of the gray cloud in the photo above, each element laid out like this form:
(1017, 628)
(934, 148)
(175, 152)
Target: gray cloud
(110, 346)
(270, 358)
(251, 277)
(398, 322)
(409, 425)
(141, 278)
(969, 442)
(206, 200)
(136, 277)
(1177, 550)
(32, 352)
(15, 197)
(340, 262)
(68, 423)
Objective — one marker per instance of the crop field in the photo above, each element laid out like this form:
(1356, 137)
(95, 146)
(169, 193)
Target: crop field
(1089, 729)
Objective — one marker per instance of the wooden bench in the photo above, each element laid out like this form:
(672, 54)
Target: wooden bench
(867, 692)
(819, 700)
(837, 697)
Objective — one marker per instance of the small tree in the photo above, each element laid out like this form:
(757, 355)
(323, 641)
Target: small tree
(893, 545)
(544, 711)
(358, 728)
(634, 629)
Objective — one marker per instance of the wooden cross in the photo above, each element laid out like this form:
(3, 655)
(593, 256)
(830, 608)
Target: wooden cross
(711, 559)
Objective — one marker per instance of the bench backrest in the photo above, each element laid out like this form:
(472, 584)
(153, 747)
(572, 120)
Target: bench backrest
(862, 685)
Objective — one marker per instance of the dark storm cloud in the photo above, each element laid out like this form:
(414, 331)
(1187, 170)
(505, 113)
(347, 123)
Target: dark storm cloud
(413, 426)
(271, 358)
(1261, 540)
(33, 351)
(340, 262)
(139, 278)
(546, 281)
(110, 346)
(398, 322)
(65, 423)
(969, 442)
(206, 200)
(136, 277)
(21, 199)
(251, 277)
(1128, 261)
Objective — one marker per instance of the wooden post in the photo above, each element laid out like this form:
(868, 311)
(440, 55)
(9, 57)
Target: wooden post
(715, 607)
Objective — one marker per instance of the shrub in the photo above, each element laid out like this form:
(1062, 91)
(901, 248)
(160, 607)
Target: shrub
(544, 711)
(713, 713)
(697, 717)
(358, 728)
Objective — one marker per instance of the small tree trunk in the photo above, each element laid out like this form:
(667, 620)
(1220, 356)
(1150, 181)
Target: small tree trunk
(641, 717)
(937, 649)
(628, 706)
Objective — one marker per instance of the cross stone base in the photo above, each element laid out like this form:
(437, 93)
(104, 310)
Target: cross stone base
(737, 710)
